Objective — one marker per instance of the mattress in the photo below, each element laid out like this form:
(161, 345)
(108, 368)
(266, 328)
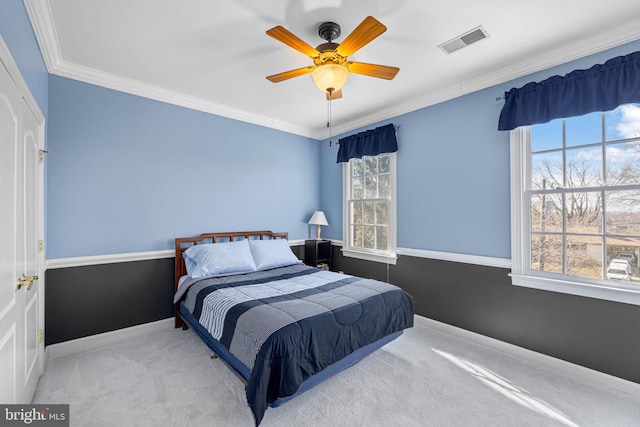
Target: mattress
(279, 328)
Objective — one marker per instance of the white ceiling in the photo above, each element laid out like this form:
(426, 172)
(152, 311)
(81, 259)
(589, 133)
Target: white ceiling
(214, 55)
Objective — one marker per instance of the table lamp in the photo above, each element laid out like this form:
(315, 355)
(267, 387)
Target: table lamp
(318, 219)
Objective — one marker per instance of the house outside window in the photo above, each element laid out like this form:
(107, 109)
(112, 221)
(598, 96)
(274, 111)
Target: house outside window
(369, 208)
(576, 205)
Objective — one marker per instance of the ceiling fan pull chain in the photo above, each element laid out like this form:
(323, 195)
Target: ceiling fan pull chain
(329, 114)
(329, 120)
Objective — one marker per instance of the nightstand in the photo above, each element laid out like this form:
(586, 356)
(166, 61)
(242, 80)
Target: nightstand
(317, 253)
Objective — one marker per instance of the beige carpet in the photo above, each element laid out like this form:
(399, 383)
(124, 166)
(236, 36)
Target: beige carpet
(427, 377)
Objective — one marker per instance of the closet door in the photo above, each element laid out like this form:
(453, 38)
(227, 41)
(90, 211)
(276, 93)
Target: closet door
(28, 265)
(21, 350)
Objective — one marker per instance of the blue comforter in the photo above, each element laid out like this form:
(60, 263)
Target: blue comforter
(288, 323)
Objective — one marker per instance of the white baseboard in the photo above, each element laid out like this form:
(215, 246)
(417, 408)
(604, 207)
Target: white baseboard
(571, 369)
(93, 341)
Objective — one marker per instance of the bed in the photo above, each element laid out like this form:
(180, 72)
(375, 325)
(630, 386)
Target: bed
(281, 326)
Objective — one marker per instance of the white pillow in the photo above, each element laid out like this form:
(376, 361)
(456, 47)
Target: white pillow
(272, 253)
(218, 258)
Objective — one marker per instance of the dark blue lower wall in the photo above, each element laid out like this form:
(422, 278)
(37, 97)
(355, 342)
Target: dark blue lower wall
(602, 335)
(598, 334)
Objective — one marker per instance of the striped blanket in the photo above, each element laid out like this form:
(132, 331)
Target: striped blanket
(289, 323)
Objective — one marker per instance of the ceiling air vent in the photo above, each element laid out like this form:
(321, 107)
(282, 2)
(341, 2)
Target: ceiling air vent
(464, 40)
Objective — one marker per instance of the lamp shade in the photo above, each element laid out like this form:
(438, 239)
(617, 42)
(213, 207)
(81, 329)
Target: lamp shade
(318, 218)
(330, 77)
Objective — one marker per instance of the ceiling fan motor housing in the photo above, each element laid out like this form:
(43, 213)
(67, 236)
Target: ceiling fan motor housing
(328, 55)
(329, 31)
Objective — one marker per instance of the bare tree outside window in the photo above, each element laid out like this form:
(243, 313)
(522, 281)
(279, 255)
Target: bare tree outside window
(584, 194)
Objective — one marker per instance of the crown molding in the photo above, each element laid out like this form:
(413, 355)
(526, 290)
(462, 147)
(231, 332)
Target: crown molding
(41, 18)
(134, 87)
(561, 55)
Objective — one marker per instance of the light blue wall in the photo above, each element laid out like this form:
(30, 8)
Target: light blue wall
(17, 33)
(116, 181)
(453, 171)
(129, 174)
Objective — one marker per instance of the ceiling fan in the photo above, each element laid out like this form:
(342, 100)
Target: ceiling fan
(331, 68)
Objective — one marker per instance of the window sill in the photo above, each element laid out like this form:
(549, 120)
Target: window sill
(603, 292)
(387, 258)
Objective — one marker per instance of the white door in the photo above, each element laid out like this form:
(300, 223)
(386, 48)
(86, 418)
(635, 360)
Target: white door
(28, 266)
(21, 352)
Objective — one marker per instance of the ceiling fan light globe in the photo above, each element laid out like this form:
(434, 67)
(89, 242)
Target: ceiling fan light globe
(330, 77)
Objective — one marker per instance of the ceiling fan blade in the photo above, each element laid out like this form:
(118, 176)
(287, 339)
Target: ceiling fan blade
(373, 70)
(368, 30)
(290, 74)
(287, 37)
(336, 94)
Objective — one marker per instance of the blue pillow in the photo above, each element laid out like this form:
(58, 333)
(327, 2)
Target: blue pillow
(219, 258)
(272, 253)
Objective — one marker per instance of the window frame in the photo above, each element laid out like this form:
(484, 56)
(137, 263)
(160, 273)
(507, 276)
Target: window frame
(389, 256)
(521, 274)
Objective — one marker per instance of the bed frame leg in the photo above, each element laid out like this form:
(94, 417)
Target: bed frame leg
(180, 323)
(176, 314)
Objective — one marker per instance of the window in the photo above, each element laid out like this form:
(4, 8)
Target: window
(576, 205)
(369, 208)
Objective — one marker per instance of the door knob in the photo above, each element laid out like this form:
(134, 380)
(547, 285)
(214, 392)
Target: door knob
(26, 281)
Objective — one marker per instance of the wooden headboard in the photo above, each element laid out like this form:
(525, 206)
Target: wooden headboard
(184, 243)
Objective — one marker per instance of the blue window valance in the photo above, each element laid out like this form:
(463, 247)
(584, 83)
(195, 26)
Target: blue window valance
(602, 87)
(368, 143)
